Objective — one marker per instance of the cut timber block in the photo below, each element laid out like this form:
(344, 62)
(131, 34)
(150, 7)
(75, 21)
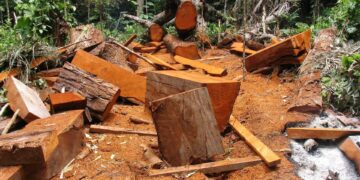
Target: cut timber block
(289, 47)
(131, 85)
(196, 64)
(186, 127)
(69, 128)
(238, 47)
(100, 95)
(222, 92)
(270, 158)
(319, 133)
(212, 167)
(11, 173)
(26, 99)
(351, 150)
(67, 101)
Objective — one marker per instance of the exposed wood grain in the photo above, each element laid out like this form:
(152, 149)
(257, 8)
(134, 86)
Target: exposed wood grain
(67, 101)
(182, 48)
(266, 154)
(11, 173)
(100, 95)
(116, 130)
(186, 127)
(212, 167)
(196, 64)
(238, 47)
(160, 62)
(352, 151)
(26, 100)
(319, 133)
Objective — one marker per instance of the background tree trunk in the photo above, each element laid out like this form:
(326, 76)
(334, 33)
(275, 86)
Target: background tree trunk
(140, 7)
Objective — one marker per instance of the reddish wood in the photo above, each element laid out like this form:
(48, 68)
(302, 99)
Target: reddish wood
(352, 150)
(186, 17)
(181, 48)
(130, 40)
(117, 130)
(26, 99)
(11, 173)
(131, 85)
(223, 92)
(198, 139)
(67, 101)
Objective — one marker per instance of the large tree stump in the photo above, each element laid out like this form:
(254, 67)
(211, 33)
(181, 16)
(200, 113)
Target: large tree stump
(186, 127)
(26, 100)
(222, 92)
(131, 85)
(100, 95)
(309, 95)
(155, 31)
(45, 146)
(181, 48)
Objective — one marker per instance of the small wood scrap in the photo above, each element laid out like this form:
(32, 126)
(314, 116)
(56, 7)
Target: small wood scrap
(130, 40)
(293, 46)
(196, 64)
(49, 73)
(271, 159)
(222, 92)
(181, 48)
(191, 110)
(26, 100)
(116, 130)
(131, 85)
(67, 101)
(154, 162)
(10, 123)
(212, 167)
(160, 62)
(155, 31)
(12, 173)
(320, 133)
(100, 95)
(139, 120)
(351, 149)
(238, 47)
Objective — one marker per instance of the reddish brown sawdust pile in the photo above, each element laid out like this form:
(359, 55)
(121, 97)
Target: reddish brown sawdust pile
(261, 106)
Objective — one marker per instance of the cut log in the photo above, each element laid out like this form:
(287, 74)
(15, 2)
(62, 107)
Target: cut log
(12, 173)
(289, 47)
(196, 64)
(237, 47)
(67, 101)
(100, 95)
(116, 130)
(198, 139)
(212, 167)
(351, 149)
(309, 99)
(131, 85)
(26, 100)
(117, 56)
(186, 17)
(181, 48)
(223, 92)
(155, 31)
(271, 159)
(319, 133)
(44, 146)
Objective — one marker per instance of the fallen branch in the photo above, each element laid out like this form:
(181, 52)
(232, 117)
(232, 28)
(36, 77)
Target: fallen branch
(130, 40)
(116, 130)
(11, 122)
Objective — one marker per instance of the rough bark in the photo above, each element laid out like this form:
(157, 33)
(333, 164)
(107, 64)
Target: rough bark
(155, 31)
(100, 95)
(181, 48)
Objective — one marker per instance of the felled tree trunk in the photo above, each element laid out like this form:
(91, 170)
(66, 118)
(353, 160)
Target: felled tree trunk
(186, 18)
(100, 95)
(155, 31)
(309, 98)
(181, 48)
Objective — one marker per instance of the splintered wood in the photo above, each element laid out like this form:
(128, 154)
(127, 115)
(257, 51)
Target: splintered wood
(222, 92)
(319, 133)
(291, 47)
(212, 167)
(26, 100)
(196, 64)
(100, 95)
(270, 158)
(131, 85)
(45, 146)
(186, 127)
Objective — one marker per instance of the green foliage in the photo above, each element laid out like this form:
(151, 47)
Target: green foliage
(37, 18)
(341, 88)
(214, 30)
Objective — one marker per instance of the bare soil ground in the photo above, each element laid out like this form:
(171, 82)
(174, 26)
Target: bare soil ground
(261, 106)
